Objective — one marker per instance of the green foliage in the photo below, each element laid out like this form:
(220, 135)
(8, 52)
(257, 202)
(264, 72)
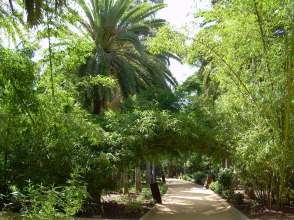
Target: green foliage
(227, 193)
(52, 132)
(238, 199)
(163, 188)
(17, 74)
(216, 187)
(101, 173)
(143, 129)
(89, 81)
(46, 131)
(146, 194)
(199, 177)
(167, 41)
(224, 185)
(244, 59)
(225, 178)
(144, 197)
(11, 25)
(36, 9)
(118, 29)
(198, 162)
(153, 98)
(112, 60)
(73, 195)
(40, 202)
(187, 177)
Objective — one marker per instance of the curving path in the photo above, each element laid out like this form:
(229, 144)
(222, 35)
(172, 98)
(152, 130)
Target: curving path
(187, 201)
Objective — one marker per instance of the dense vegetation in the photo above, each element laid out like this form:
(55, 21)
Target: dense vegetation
(87, 102)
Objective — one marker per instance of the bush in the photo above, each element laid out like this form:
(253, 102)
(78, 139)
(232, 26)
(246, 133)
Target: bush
(145, 194)
(187, 177)
(238, 199)
(199, 177)
(225, 178)
(162, 188)
(216, 187)
(73, 196)
(227, 193)
(42, 202)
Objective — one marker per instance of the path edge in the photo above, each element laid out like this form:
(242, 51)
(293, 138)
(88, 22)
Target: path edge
(235, 211)
(232, 208)
(152, 210)
(149, 213)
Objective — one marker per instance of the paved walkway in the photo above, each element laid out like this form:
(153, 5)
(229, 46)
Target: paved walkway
(187, 201)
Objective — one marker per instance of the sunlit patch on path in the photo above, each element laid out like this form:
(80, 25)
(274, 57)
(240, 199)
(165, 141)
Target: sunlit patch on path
(187, 201)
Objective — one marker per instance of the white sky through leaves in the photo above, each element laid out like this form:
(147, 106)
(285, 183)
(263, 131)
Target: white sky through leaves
(181, 15)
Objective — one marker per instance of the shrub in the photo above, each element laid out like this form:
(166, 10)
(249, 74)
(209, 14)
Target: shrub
(163, 189)
(145, 194)
(216, 187)
(12, 202)
(225, 178)
(199, 177)
(227, 193)
(238, 199)
(42, 202)
(187, 177)
(73, 195)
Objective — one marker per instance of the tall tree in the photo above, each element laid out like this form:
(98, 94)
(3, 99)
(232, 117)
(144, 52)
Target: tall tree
(118, 29)
(247, 48)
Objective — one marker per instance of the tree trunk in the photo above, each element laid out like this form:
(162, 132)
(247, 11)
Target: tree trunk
(5, 165)
(97, 104)
(6, 155)
(148, 172)
(163, 178)
(163, 174)
(156, 192)
(125, 181)
(138, 179)
(153, 172)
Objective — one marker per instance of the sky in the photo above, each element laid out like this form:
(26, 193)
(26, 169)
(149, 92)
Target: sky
(180, 14)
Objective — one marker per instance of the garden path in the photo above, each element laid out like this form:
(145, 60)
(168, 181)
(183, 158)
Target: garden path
(187, 201)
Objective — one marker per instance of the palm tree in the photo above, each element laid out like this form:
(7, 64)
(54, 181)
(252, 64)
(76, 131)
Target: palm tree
(11, 25)
(34, 8)
(118, 29)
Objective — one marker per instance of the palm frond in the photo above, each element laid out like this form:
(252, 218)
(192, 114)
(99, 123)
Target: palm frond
(118, 29)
